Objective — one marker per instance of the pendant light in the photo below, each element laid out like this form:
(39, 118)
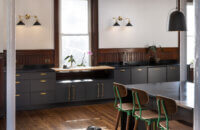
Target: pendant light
(177, 20)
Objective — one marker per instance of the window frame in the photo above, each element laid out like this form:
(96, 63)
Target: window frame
(93, 31)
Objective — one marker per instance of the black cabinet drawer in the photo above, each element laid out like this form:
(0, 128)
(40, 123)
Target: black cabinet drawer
(38, 98)
(22, 86)
(42, 85)
(173, 73)
(122, 75)
(22, 99)
(43, 75)
(139, 75)
(20, 76)
(157, 74)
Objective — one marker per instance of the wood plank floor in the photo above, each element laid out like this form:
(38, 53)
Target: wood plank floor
(66, 118)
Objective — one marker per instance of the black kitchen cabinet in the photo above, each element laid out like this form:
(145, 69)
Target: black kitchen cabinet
(93, 91)
(38, 98)
(22, 86)
(157, 74)
(122, 75)
(62, 92)
(139, 75)
(173, 73)
(107, 89)
(78, 92)
(42, 85)
(22, 99)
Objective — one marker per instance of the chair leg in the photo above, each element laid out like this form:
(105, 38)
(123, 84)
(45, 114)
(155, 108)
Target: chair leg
(117, 121)
(136, 124)
(127, 122)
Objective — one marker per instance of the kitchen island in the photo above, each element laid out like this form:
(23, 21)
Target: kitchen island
(181, 92)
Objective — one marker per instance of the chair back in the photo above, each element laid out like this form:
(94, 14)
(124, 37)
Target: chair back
(166, 105)
(120, 90)
(140, 97)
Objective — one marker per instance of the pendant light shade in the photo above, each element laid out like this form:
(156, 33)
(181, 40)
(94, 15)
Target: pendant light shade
(116, 24)
(36, 23)
(177, 21)
(20, 23)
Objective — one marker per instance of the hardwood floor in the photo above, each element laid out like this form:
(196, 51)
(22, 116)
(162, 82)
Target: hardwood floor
(66, 118)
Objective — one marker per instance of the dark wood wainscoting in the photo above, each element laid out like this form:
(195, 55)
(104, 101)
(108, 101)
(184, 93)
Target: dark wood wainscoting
(135, 54)
(34, 57)
(2, 88)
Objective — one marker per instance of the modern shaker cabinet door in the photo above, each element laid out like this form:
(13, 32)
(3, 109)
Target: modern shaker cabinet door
(107, 89)
(122, 75)
(173, 73)
(157, 74)
(77, 92)
(62, 93)
(139, 75)
(22, 99)
(93, 91)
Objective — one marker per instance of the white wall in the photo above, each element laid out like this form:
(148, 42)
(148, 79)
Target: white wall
(149, 19)
(2, 25)
(35, 37)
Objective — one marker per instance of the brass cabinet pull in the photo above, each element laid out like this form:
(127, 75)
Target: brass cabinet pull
(43, 74)
(43, 81)
(98, 89)
(18, 82)
(122, 70)
(18, 95)
(139, 69)
(102, 89)
(43, 93)
(172, 68)
(69, 93)
(158, 69)
(18, 75)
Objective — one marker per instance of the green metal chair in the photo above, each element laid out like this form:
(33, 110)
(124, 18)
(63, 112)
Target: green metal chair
(120, 91)
(168, 107)
(141, 98)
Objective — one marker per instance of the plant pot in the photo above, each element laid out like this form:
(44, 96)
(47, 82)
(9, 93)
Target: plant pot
(64, 66)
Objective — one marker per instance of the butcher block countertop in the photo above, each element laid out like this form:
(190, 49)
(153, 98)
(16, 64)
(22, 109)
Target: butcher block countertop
(79, 69)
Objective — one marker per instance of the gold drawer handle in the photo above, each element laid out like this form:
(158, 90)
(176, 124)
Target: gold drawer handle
(43, 81)
(18, 75)
(43, 93)
(98, 90)
(123, 70)
(18, 95)
(102, 89)
(172, 68)
(157, 69)
(43, 74)
(17, 82)
(139, 69)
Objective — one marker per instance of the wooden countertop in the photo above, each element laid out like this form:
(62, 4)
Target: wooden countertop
(79, 69)
(181, 92)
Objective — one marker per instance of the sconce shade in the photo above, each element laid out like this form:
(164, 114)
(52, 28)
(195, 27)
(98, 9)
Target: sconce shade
(116, 24)
(36, 24)
(129, 24)
(177, 21)
(20, 23)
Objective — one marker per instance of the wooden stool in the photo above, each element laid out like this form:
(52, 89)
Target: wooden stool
(141, 98)
(167, 107)
(120, 91)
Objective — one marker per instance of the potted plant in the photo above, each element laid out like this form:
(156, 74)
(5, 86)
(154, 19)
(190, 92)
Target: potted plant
(70, 59)
(152, 52)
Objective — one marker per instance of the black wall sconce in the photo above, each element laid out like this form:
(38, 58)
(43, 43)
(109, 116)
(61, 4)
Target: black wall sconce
(120, 19)
(28, 17)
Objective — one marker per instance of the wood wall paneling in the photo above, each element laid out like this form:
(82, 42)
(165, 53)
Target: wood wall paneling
(34, 57)
(135, 55)
(56, 32)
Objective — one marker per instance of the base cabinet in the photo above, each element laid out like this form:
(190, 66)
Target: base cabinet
(39, 98)
(157, 74)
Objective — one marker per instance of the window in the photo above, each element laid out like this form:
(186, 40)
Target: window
(190, 33)
(74, 35)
